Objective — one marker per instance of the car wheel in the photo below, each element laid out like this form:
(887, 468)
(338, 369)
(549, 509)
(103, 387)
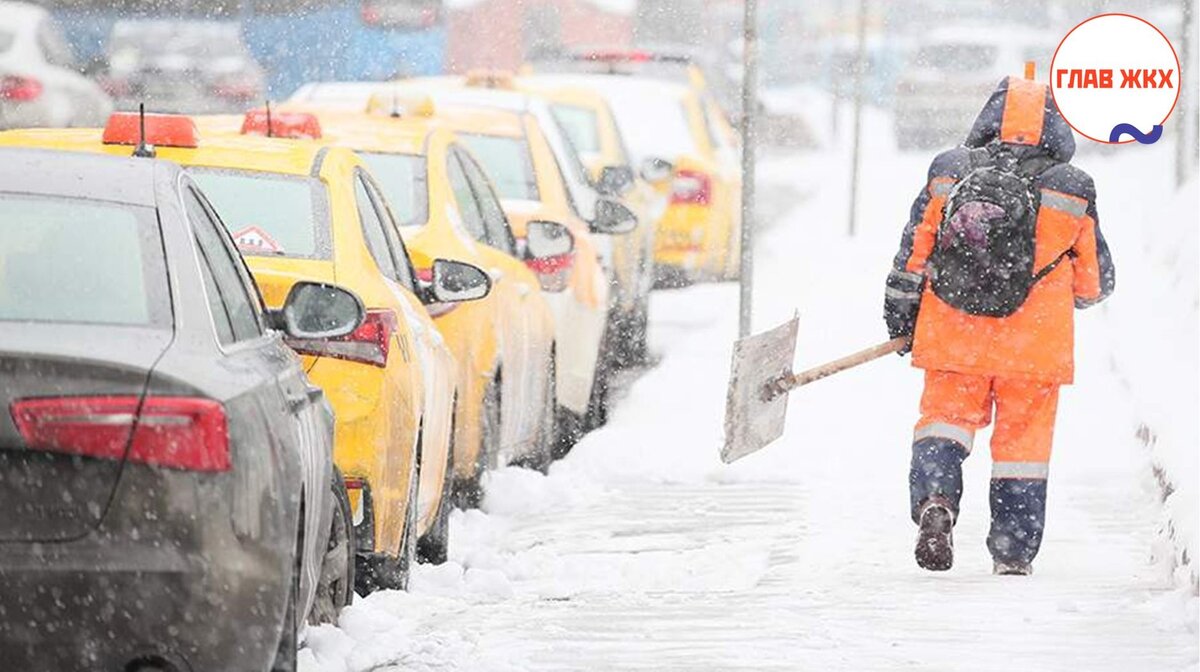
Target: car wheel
(434, 545)
(597, 412)
(468, 492)
(335, 589)
(289, 635)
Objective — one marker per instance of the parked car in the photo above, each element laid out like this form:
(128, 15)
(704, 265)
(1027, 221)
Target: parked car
(40, 80)
(506, 345)
(165, 464)
(299, 210)
(539, 176)
(951, 70)
(687, 149)
(181, 66)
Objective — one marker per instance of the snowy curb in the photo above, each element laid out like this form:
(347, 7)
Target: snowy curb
(1184, 567)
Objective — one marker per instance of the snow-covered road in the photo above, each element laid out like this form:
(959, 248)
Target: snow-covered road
(640, 551)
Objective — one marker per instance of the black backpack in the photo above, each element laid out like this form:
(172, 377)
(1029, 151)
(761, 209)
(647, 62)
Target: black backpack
(982, 259)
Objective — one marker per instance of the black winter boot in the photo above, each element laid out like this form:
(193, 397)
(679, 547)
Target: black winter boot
(935, 540)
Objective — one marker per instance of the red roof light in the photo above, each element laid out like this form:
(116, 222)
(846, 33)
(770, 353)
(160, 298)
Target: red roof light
(162, 130)
(291, 125)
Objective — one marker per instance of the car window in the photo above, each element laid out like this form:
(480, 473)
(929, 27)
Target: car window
(6, 40)
(54, 46)
(508, 162)
(654, 124)
(464, 198)
(391, 233)
(238, 303)
(499, 235)
(269, 214)
(715, 138)
(403, 181)
(581, 125)
(78, 261)
(372, 227)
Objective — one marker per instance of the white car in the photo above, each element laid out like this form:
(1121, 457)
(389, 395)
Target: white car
(40, 83)
(951, 75)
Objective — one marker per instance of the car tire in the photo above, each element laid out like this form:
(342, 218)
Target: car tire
(335, 589)
(289, 635)
(434, 546)
(468, 492)
(597, 412)
(634, 349)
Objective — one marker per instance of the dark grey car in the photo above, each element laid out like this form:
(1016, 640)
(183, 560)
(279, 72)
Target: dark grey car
(165, 465)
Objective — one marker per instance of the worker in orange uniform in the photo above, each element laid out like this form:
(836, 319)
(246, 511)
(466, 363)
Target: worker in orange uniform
(1001, 245)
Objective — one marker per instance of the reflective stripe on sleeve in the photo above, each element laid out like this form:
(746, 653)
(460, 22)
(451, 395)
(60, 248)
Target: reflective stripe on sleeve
(1029, 470)
(893, 293)
(1076, 207)
(941, 187)
(943, 430)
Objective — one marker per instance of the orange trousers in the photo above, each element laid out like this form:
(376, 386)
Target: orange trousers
(955, 405)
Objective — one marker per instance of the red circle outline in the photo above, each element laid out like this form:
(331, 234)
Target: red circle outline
(1178, 68)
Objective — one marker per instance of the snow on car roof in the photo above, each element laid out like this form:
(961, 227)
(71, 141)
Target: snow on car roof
(624, 7)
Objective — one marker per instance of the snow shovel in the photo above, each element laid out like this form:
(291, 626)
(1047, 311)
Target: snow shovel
(761, 378)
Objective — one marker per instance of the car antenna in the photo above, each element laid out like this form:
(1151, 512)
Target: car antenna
(269, 135)
(395, 103)
(142, 150)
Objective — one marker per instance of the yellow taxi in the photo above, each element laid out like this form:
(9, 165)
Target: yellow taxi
(539, 178)
(682, 142)
(586, 120)
(300, 210)
(505, 344)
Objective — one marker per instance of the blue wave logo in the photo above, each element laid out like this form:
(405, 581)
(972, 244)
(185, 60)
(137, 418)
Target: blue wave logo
(1133, 132)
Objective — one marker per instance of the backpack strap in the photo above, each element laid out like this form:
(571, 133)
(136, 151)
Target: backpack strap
(1051, 266)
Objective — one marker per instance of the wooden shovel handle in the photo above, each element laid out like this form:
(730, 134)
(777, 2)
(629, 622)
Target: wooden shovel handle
(848, 362)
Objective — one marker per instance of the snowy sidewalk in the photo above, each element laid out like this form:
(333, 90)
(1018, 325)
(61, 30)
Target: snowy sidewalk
(641, 551)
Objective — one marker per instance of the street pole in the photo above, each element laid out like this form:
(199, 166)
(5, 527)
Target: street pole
(859, 66)
(749, 140)
(1184, 122)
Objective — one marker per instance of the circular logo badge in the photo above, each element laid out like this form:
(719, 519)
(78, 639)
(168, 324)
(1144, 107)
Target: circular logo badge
(1115, 79)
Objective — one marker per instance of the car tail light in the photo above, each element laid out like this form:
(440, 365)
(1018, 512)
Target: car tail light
(17, 87)
(553, 273)
(162, 130)
(282, 124)
(369, 344)
(425, 275)
(369, 15)
(175, 432)
(691, 187)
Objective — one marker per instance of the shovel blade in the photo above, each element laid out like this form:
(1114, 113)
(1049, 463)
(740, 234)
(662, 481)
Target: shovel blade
(751, 420)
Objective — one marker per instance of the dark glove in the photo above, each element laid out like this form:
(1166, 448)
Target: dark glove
(901, 302)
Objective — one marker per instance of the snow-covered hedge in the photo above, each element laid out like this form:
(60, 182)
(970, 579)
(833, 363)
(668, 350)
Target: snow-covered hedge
(1165, 277)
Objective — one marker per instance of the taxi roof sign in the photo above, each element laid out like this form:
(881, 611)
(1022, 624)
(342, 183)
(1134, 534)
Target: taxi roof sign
(281, 124)
(161, 130)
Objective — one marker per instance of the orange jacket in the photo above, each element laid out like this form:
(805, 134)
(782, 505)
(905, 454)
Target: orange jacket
(1037, 341)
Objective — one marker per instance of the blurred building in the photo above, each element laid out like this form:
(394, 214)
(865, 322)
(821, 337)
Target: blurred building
(502, 34)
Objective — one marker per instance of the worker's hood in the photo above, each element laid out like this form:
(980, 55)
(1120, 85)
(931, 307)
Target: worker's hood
(1022, 112)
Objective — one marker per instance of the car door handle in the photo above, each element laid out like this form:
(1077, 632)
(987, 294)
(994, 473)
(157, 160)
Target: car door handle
(495, 274)
(523, 290)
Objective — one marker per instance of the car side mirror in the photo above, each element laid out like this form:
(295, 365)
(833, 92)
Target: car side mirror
(613, 218)
(615, 180)
(545, 240)
(317, 310)
(457, 281)
(654, 169)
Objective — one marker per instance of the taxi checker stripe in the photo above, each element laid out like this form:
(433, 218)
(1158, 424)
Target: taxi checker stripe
(1068, 204)
(1030, 470)
(944, 430)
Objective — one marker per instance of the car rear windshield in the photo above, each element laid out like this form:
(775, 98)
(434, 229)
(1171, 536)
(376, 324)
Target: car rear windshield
(269, 214)
(403, 180)
(80, 261)
(581, 125)
(6, 41)
(654, 125)
(508, 164)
